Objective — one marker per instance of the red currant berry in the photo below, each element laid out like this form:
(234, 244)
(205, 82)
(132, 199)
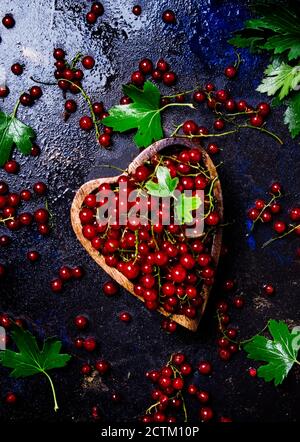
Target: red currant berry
(17, 69)
(90, 344)
(77, 272)
(8, 21)
(169, 78)
(40, 188)
(146, 66)
(230, 71)
(86, 123)
(88, 62)
(97, 8)
(35, 92)
(11, 166)
(125, 317)
(33, 256)
(206, 414)
(56, 285)
(269, 289)
(137, 10)
(280, 227)
(70, 106)
(168, 16)
(205, 367)
(81, 322)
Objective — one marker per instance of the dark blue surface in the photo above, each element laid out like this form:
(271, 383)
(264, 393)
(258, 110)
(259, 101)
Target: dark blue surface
(197, 50)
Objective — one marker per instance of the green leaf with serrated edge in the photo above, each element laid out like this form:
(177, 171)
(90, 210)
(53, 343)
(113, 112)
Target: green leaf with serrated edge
(184, 205)
(143, 114)
(277, 29)
(292, 115)
(279, 354)
(30, 359)
(14, 133)
(165, 185)
(280, 78)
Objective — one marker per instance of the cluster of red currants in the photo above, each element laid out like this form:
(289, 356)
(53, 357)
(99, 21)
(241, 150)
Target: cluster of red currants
(66, 274)
(167, 267)
(227, 345)
(12, 220)
(69, 79)
(226, 109)
(160, 72)
(94, 13)
(171, 385)
(264, 211)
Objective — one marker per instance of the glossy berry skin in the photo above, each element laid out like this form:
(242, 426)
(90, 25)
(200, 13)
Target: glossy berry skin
(86, 369)
(102, 366)
(199, 96)
(137, 10)
(35, 92)
(230, 71)
(97, 8)
(40, 188)
(169, 17)
(11, 166)
(98, 108)
(269, 289)
(33, 256)
(56, 285)
(91, 18)
(256, 120)
(206, 414)
(41, 216)
(205, 367)
(59, 54)
(190, 127)
(137, 78)
(280, 227)
(104, 140)
(90, 344)
(88, 62)
(146, 66)
(238, 301)
(65, 273)
(77, 272)
(110, 288)
(35, 151)
(81, 322)
(86, 123)
(17, 69)
(8, 21)
(169, 78)
(263, 109)
(25, 218)
(213, 148)
(224, 354)
(295, 214)
(276, 188)
(4, 91)
(70, 106)
(10, 398)
(43, 229)
(26, 100)
(125, 317)
(219, 124)
(4, 240)
(252, 372)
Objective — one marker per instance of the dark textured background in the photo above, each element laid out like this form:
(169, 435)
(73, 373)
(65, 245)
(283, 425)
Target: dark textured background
(197, 49)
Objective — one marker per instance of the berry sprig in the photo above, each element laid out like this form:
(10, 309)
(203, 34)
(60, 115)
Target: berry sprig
(169, 398)
(167, 268)
(263, 211)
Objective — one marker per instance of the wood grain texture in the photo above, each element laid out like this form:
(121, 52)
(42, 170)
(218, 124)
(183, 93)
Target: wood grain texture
(90, 186)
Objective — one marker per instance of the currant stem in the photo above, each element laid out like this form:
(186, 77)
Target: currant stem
(190, 105)
(262, 129)
(43, 82)
(14, 112)
(89, 102)
(280, 237)
(53, 390)
(182, 93)
(76, 60)
(110, 166)
(208, 135)
(274, 197)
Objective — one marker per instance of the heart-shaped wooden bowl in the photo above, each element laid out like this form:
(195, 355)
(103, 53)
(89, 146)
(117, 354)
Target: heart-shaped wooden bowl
(90, 186)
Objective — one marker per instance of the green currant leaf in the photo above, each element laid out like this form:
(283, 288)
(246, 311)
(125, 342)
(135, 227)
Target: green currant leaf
(30, 359)
(279, 354)
(143, 114)
(184, 205)
(292, 115)
(14, 132)
(165, 185)
(280, 78)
